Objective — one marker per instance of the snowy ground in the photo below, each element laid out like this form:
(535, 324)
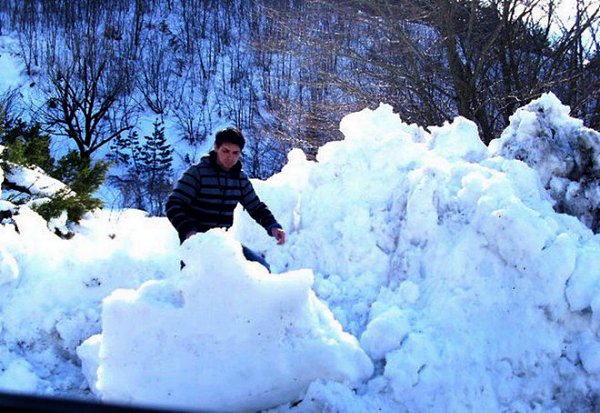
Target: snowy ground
(423, 273)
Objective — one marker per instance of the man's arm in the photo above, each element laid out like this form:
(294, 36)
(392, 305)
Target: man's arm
(178, 203)
(259, 211)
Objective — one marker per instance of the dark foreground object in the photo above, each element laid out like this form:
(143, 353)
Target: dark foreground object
(11, 402)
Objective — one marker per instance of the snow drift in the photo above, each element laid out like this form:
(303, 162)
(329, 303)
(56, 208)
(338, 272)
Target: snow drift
(448, 263)
(444, 258)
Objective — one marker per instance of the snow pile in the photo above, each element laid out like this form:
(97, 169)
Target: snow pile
(225, 335)
(51, 290)
(449, 264)
(564, 152)
(445, 261)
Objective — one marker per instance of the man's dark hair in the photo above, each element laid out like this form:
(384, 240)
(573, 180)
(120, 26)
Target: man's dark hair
(230, 135)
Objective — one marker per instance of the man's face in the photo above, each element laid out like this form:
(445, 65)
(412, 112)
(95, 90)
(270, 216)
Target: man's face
(228, 154)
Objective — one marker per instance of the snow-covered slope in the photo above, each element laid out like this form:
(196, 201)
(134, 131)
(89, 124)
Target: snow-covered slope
(445, 261)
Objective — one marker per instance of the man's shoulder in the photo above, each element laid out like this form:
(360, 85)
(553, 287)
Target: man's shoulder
(198, 170)
(203, 165)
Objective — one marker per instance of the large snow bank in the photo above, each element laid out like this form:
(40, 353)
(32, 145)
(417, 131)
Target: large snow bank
(224, 336)
(445, 260)
(51, 290)
(461, 281)
(564, 152)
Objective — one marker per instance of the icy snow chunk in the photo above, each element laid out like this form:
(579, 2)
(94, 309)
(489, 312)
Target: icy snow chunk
(556, 263)
(589, 353)
(89, 354)
(409, 291)
(225, 335)
(405, 364)
(421, 206)
(381, 123)
(518, 233)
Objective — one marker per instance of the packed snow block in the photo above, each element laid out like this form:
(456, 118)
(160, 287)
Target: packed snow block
(225, 335)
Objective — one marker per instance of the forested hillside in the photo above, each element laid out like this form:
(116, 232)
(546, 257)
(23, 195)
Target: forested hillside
(285, 72)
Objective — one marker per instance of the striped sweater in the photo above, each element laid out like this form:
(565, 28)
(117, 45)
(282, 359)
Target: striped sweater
(205, 197)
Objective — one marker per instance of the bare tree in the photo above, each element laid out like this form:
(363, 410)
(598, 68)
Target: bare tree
(84, 94)
(91, 76)
(298, 56)
(156, 75)
(431, 59)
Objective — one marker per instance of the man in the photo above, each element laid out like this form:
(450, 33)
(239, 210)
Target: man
(208, 192)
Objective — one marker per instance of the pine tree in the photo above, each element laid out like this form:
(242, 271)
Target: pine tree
(156, 156)
(124, 149)
(26, 145)
(128, 180)
(83, 177)
(148, 167)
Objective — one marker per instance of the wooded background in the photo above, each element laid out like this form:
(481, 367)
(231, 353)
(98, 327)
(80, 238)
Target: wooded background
(286, 72)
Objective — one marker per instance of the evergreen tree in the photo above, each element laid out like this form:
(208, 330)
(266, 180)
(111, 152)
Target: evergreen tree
(128, 178)
(26, 145)
(156, 157)
(124, 148)
(148, 169)
(83, 178)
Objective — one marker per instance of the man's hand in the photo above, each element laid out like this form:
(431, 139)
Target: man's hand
(279, 235)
